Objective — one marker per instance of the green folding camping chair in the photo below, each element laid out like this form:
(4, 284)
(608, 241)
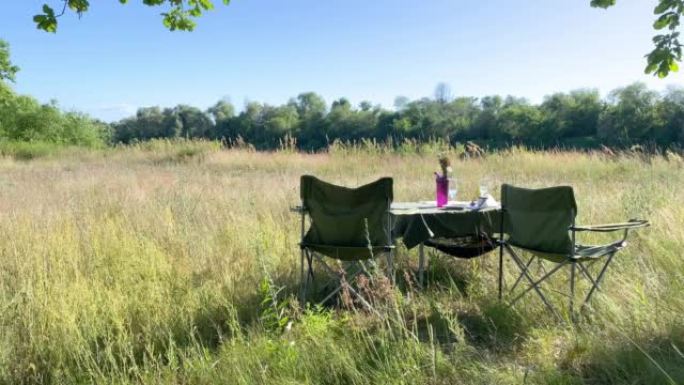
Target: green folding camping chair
(541, 222)
(350, 225)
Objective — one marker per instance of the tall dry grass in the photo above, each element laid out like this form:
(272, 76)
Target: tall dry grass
(143, 264)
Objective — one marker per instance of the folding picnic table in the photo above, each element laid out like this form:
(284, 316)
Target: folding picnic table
(419, 222)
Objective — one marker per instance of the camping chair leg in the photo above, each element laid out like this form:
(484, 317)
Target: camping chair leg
(572, 290)
(363, 269)
(535, 285)
(359, 269)
(302, 284)
(301, 277)
(584, 271)
(421, 264)
(362, 300)
(390, 251)
(598, 279)
(501, 250)
(344, 284)
(330, 295)
(308, 274)
(520, 277)
(390, 266)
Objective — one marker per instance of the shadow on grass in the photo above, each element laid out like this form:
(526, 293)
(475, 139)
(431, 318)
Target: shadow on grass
(649, 360)
(447, 271)
(495, 325)
(487, 323)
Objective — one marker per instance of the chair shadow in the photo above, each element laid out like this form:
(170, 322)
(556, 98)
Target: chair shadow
(489, 324)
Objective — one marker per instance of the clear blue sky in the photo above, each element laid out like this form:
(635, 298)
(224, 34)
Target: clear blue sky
(117, 58)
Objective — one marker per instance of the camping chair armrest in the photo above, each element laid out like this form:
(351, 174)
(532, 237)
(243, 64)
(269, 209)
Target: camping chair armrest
(606, 228)
(307, 245)
(298, 209)
(632, 224)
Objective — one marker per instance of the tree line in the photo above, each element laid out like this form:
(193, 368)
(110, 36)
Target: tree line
(629, 115)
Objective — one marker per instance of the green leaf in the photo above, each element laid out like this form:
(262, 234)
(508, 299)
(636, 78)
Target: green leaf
(674, 67)
(663, 6)
(167, 20)
(47, 10)
(662, 22)
(602, 3)
(650, 68)
(206, 4)
(78, 6)
(46, 23)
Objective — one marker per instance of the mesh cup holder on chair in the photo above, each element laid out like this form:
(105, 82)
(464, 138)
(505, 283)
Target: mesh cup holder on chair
(466, 247)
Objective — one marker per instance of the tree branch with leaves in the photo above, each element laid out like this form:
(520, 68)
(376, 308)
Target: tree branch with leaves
(181, 14)
(667, 54)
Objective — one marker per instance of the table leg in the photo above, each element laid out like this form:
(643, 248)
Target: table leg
(302, 292)
(421, 264)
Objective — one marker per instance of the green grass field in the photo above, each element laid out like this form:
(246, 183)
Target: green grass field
(161, 263)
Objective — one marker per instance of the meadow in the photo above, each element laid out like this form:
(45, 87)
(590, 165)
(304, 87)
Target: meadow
(177, 263)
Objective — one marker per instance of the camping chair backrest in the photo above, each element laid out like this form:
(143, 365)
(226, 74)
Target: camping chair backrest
(539, 219)
(339, 216)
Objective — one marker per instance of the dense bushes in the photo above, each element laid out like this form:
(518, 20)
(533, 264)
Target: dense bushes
(629, 115)
(633, 114)
(29, 129)
(23, 119)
